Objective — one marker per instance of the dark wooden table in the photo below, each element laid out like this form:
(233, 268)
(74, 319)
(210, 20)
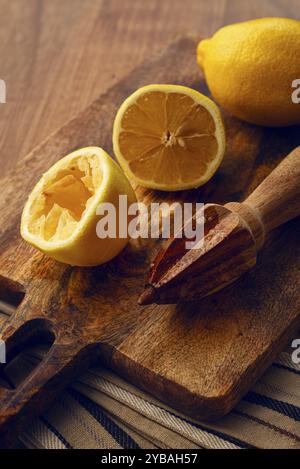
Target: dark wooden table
(58, 55)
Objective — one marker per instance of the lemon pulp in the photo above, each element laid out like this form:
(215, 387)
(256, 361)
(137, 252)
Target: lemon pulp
(169, 137)
(57, 209)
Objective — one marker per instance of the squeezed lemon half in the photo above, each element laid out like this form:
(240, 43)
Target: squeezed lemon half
(169, 137)
(60, 218)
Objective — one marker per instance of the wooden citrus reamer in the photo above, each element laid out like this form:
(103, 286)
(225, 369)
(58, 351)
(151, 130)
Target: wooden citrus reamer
(233, 235)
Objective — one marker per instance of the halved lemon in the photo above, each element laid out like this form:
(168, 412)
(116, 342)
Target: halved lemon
(60, 218)
(169, 137)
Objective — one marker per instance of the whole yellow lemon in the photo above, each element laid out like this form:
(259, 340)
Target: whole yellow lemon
(251, 68)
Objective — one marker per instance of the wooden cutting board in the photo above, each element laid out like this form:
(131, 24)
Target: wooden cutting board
(200, 358)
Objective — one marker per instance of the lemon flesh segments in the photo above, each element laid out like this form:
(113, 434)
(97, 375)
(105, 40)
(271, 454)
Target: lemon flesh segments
(169, 137)
(56, 211)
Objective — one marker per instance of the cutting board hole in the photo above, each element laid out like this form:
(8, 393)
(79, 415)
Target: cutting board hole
(23, 362)
(11, 295)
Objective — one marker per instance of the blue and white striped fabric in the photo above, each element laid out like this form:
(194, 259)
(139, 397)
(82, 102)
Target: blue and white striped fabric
(101, 410)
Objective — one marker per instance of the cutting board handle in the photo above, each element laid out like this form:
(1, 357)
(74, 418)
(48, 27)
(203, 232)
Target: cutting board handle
(44, 383)
(277, 199)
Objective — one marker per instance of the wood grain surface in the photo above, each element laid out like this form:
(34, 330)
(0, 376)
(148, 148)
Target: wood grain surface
(202, 357)
(58, 55)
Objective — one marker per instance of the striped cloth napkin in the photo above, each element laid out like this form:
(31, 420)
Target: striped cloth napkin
(101, 410)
